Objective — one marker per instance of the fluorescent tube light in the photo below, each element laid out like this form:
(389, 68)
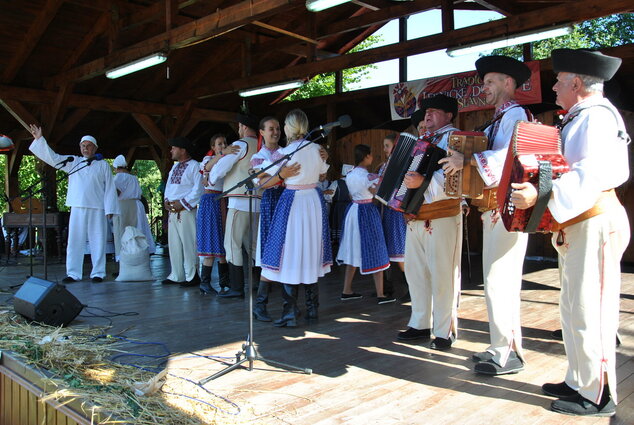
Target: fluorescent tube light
(137, 65)
(509, 41)
(319, 5)
(271, 88)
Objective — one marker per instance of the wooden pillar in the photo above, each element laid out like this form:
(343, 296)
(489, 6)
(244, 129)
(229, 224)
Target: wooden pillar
(402, 37)
(527, 52)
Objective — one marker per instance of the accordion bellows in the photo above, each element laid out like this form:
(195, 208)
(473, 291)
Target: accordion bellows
(534, 154)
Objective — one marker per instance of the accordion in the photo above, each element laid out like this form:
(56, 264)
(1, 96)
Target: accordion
(534, 156)
(466, 182)
(409, 154)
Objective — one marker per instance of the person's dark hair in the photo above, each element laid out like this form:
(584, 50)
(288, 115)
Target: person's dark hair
(360, 152)
(265, 119)
(392, 137)
(212, 141)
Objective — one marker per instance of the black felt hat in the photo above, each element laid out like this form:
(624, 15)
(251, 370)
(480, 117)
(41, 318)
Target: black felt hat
(417, 117)
(504, 65)
(182, 142)
(249, 120)
(586, 62)
(440, 101)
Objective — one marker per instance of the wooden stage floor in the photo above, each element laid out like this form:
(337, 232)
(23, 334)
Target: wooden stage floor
(361, 373)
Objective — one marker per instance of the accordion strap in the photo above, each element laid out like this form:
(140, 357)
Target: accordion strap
(544, 188)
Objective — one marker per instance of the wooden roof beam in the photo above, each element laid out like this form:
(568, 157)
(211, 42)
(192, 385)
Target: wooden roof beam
(31, 38)
(377, 17)
(503, 7)
(186, 35)
(98, 103)
(529, 21)
(97, 29)
(19, 112)
(148, 124)
(285, 32)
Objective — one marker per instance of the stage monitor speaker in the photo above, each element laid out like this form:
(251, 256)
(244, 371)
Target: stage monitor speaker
(46, 302)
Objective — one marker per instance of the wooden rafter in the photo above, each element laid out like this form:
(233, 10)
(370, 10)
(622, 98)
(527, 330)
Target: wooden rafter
(529, 21)
(19, 112)
(148, 124)
(186, 35)
(99, 103)
(97, 29)
(59, 106)
(285, 32)
(376, 17)
(31, 38)
(497, 6)
(66, 126)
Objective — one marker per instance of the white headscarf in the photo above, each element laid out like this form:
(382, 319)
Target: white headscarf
(120, 162)
(90, 139)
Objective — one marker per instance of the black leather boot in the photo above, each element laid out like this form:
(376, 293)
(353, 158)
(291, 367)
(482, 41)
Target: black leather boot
(236, 277)
(289, 312)
(223, 276)
(205, 280)
(312, 301)
(261, 300)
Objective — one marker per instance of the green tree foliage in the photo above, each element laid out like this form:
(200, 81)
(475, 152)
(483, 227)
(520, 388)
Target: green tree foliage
(324, 84)
(609, 31)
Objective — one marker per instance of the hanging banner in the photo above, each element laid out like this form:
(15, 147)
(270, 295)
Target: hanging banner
(466, 87)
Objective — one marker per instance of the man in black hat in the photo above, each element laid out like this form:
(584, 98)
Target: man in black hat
(182, 194)
(502, 252)
(418, 121)
(434, 241)
(594, 230)
(235, 168)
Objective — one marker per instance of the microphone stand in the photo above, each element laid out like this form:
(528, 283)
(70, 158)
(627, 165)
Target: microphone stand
(248, 353)
(31, 194)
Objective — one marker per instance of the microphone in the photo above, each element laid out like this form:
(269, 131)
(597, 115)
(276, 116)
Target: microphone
(344, 121)
(95, 157)
(64, 162)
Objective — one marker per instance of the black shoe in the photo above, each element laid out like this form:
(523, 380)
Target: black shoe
(386, 299)
(284, 323)
(484, 356)
(262, 315)
(194, 282)
(513, 365)
(97, 279)
(170, 282)
(207, 291)
(69, 279)
(558, 335)
(560, 390)
(230, 293)
(411, 334)
(353, 296)
(440, 344)
(580, 406)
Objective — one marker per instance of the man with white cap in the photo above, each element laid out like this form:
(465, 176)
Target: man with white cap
(92, 198)
(594, 230)
(182, 194)
(132, 211)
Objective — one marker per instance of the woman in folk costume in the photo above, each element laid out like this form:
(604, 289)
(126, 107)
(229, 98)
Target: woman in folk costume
(365, 249)
(210, 222)
(394, 225)
(298, 246)
(270, 135)
(130, 205)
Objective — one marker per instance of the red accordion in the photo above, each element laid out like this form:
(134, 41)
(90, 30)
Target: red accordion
(409, 154)
(534, 156)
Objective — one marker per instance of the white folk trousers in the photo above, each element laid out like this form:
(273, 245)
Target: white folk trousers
(237, 235)
(590, 270)
(432, 269)
(86, 224)
(503, 255)
(181, 237)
